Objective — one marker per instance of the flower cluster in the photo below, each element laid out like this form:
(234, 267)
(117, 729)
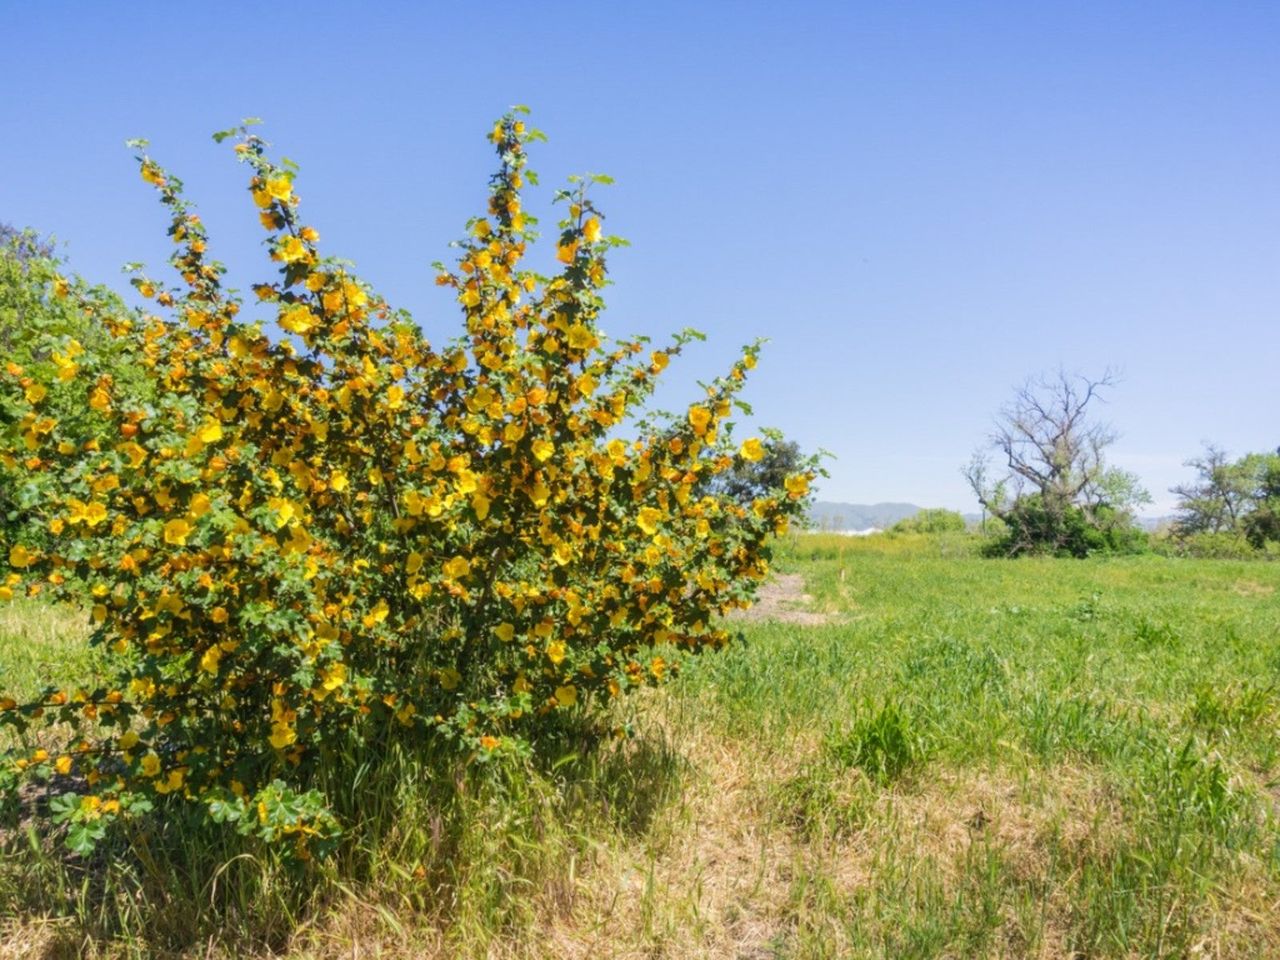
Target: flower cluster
(344, 531)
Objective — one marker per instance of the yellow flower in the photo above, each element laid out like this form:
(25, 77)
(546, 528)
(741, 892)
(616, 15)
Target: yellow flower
(647, 520)
(555, 651)
(292, 250)
(279, 188)
(334, 676)
(338, 481)
(211, 431)
(581, 337)
(63, 764)
(567, 252)
(297, 319)
(699, 417)
(209, 662)
(543, 449)
(284, 511)
(176, 532)
(395, 396)
(751, 449)
(282, 735)
(135, 454)
(129, 740)
(414, 562)
(504, 632)
(567, 695)
(797, 485)
(457, 568)
(539, 493)
(94, 514)
(591, 230)
(150, 765)
(19, 556)
(377, 615)
(151, 173)
(36, 392)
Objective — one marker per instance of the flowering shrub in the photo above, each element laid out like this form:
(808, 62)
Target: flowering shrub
(349, 532)
(45, 329)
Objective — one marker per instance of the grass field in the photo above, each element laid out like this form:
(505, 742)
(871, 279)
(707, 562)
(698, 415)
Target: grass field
(926, 755)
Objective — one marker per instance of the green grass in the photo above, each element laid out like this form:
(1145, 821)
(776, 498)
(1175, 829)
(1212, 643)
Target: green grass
(969, 758)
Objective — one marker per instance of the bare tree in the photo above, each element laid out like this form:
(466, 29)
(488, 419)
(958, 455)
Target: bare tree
(1053, 453)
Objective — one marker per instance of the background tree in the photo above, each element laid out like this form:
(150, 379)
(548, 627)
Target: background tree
(1231, 497)
(1218, 498)
(1262, 525)
(746, 480)
(1055, 492)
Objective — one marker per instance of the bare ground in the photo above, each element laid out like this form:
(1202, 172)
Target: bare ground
(782, 598)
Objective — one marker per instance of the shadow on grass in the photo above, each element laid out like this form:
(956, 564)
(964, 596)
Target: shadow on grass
(469, 848)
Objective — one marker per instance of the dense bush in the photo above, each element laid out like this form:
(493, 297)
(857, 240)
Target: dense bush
(1032, 526)
(305, 548)
(931, 521)
(1223, 545)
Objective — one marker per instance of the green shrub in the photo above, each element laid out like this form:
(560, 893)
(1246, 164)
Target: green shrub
(931, 521)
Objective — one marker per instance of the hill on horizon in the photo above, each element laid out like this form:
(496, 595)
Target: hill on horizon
(831, 515)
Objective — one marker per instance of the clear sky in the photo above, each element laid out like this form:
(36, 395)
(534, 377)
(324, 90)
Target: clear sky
(919, 204)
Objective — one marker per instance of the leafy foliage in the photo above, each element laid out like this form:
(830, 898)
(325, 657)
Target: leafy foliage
(1033, 524)
(1230, 499)
(47, 325)
(314, 546)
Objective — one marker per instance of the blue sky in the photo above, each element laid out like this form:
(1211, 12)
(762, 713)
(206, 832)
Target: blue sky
(919, 204)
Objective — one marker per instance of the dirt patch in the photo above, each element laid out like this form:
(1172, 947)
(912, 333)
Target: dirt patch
(1252, 588)
(782, 599)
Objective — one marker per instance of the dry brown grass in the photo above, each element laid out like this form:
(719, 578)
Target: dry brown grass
(1252, 588)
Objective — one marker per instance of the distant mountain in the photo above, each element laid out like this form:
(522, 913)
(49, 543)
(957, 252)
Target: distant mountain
(826, 515)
